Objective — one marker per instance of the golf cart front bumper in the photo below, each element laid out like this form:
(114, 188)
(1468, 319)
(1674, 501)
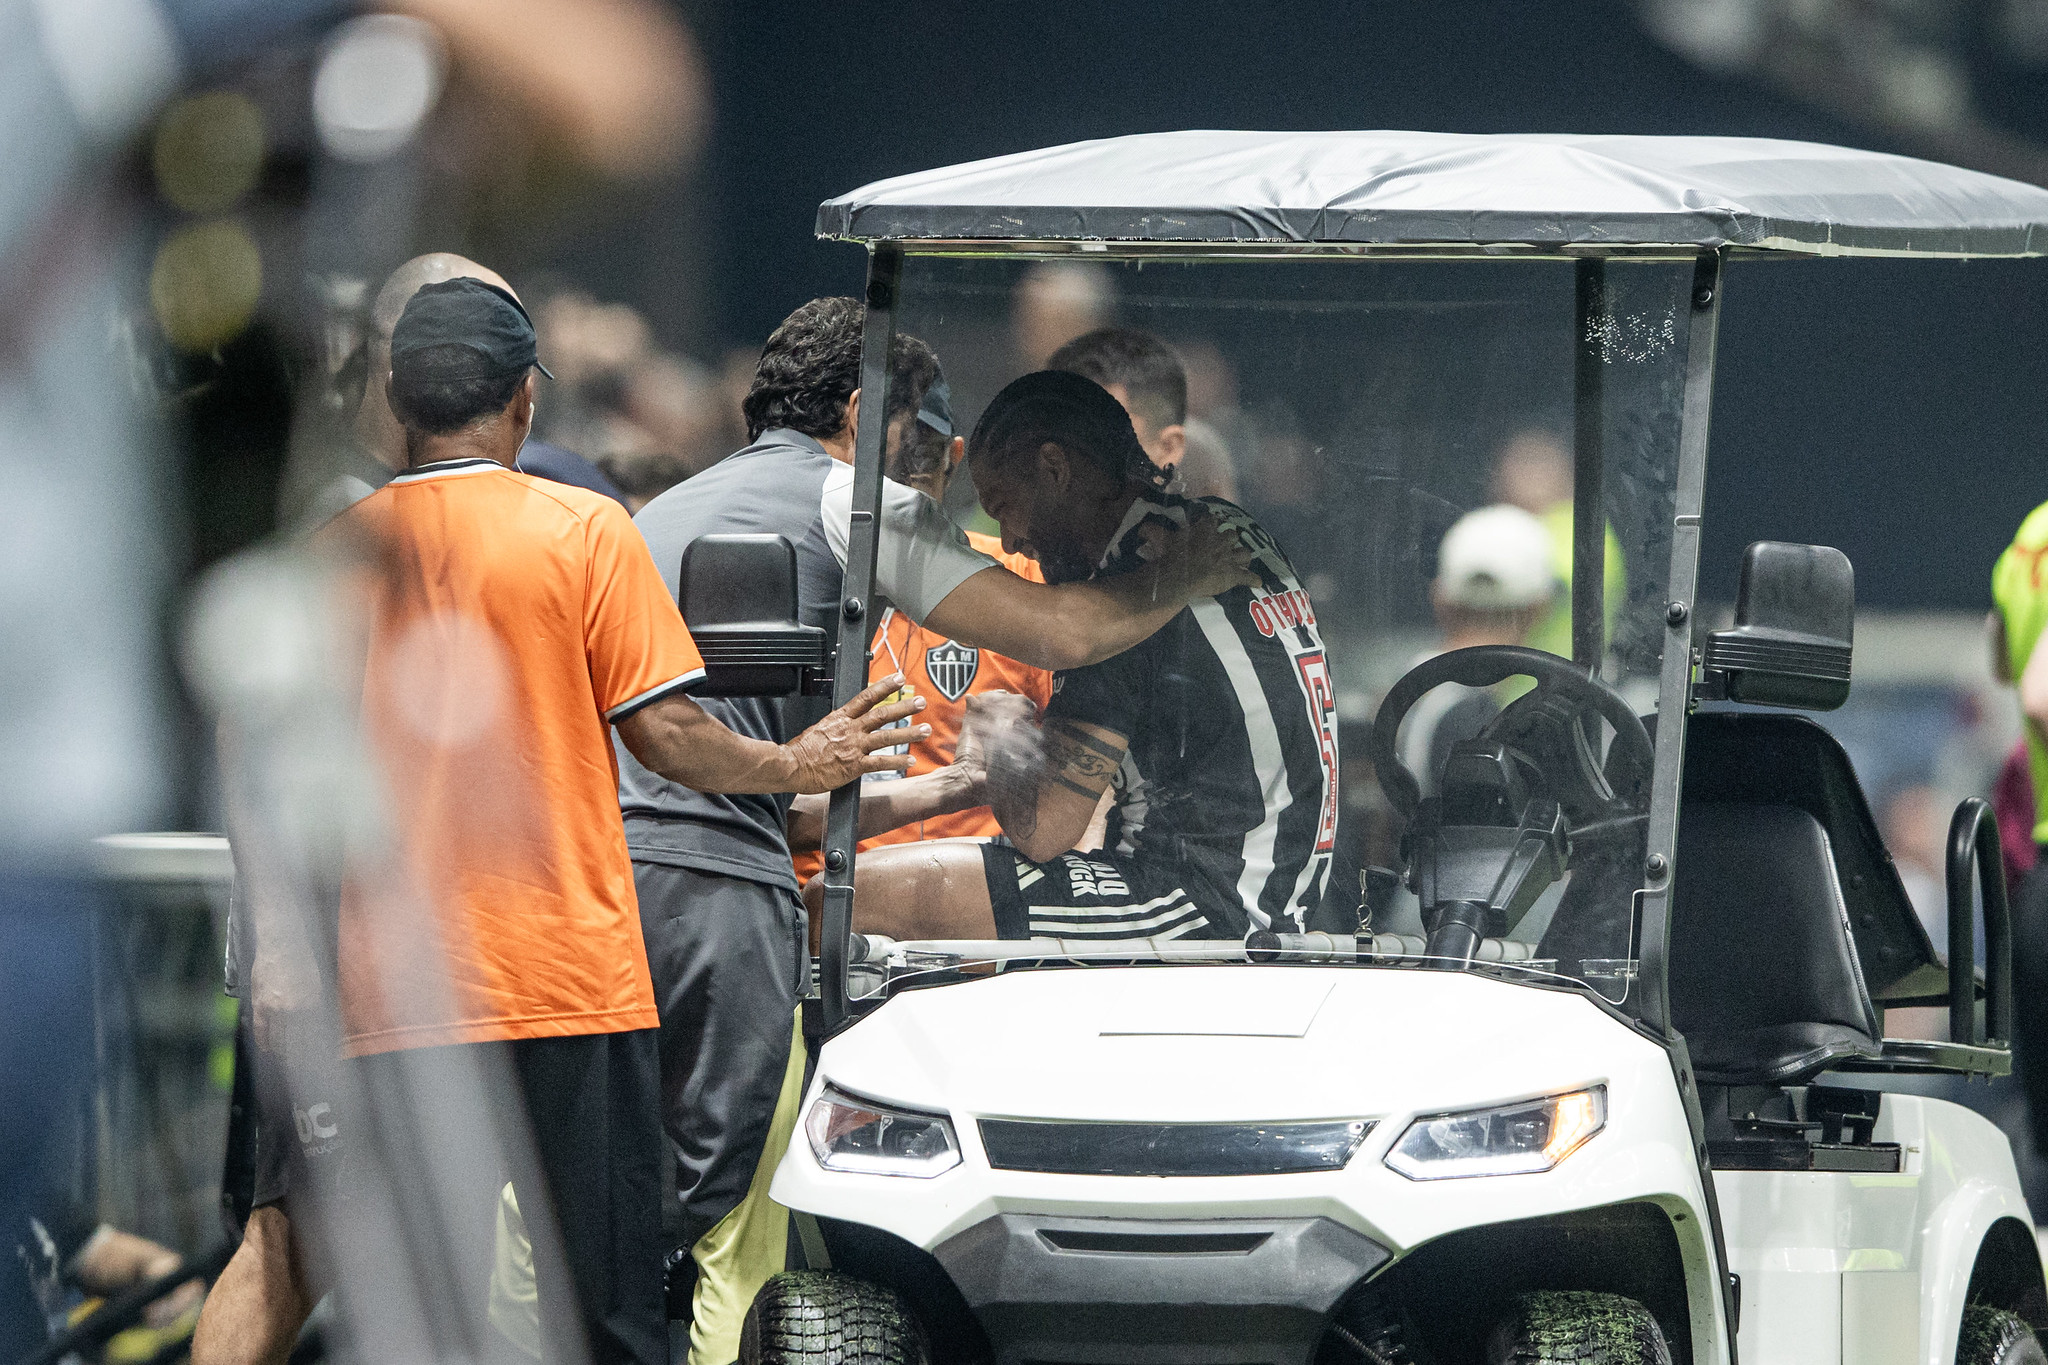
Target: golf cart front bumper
(1119, 1291)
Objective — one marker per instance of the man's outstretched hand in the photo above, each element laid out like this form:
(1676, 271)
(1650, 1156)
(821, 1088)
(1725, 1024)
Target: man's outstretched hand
(1206, 555)
(842, 746)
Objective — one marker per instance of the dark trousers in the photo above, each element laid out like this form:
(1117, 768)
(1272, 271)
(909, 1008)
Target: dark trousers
(2030, 996)
(592, 1107)
(728, 957)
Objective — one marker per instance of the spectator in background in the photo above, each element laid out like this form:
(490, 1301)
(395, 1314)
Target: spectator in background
(672, 405)
(1056, 301)
(1534, 472)
(378, 446)
(1915, 826)
(1495, 580)
(1145, 375)
(2012, 798)
(647, 418)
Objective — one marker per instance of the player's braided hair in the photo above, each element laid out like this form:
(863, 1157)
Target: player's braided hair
(1076, 414)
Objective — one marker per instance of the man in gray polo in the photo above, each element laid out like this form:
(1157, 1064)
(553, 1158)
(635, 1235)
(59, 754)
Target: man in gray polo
(719, 899)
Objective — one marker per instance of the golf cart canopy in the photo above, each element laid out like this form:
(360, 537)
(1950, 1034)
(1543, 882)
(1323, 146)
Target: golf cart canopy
(1459, 191)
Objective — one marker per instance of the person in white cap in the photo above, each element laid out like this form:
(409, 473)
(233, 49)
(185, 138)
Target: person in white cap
(1495, 580)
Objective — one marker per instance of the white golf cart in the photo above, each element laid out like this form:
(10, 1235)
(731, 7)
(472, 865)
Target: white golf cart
(1593, 1070)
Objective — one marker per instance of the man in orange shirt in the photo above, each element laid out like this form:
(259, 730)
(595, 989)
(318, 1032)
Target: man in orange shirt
(512, 625)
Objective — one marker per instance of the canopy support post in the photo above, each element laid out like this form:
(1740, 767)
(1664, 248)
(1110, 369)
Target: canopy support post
(1674, 703)
(856, 597)
(1589, 467)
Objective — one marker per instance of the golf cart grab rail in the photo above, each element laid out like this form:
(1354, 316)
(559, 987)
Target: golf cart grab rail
(1973, 849)
(875, 950)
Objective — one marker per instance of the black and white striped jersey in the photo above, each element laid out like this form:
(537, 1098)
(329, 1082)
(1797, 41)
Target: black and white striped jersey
(1229, 783)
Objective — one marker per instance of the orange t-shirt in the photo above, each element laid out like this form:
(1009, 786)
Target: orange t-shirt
(944, 673)
(509, 620)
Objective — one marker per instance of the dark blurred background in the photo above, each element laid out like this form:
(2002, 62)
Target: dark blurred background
(1827, 425)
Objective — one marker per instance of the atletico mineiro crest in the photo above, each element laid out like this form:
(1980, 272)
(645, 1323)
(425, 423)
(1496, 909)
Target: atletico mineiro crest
(952, 667)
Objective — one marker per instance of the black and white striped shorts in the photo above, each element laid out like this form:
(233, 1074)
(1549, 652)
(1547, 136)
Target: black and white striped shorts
(1095, 896)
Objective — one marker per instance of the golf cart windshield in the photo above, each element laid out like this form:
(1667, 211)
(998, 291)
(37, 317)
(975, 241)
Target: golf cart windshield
(1413, 436)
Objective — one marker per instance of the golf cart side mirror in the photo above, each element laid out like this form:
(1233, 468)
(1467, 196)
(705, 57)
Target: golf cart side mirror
(738, 594)
(1795, 626)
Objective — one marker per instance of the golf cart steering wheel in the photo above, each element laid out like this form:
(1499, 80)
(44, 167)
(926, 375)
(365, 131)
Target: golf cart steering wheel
(1544, 724)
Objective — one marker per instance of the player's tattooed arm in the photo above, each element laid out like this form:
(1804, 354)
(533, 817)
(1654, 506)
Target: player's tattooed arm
(1046, 809)
(1081, 758)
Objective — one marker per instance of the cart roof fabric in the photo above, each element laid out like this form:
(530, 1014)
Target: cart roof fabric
(1412, 189)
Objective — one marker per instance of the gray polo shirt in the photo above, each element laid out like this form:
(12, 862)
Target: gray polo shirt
(785, 483)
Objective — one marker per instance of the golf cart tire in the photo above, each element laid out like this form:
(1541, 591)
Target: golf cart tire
(811, 1317)
(1577, 1326)
(1993, 1336)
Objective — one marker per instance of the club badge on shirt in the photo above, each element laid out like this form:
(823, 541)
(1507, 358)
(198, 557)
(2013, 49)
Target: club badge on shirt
(952, 667)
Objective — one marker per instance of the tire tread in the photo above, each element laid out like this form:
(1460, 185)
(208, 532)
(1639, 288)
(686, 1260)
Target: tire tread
(1994, 1336)
(1577, 1327)
(822, 1317)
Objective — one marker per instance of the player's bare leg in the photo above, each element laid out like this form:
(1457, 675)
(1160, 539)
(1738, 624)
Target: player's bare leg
(255, 1311)
(930, 890)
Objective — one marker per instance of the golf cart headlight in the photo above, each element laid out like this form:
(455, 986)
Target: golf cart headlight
(1515, 1139)
(850, 1134)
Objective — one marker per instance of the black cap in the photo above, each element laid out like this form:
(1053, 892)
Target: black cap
(479, 317)
(936, 411)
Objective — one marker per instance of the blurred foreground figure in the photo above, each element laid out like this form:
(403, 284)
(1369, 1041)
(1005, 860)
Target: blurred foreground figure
(81, 704)
(510, 622)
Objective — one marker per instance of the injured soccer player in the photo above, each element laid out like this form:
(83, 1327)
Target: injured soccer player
(1217, 736)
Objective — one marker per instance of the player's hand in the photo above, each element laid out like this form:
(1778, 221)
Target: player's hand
(989, 723)
(843, 745)
(1206, 556)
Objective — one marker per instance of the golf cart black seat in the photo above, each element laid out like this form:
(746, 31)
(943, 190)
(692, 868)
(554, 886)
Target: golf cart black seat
(1790, 926)
(1766, 984)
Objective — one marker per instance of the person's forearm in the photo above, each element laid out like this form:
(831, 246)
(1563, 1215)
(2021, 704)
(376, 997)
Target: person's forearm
(1070, 625)
(886, 805)
(685, 745)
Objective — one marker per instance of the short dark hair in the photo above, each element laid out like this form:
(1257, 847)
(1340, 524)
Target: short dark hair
(1076, 414)
(434, 395)
(808, 370)
(1150, 371)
